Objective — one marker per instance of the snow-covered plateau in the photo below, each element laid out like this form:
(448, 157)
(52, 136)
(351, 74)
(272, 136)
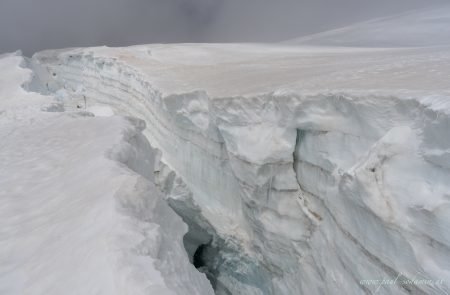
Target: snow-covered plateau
(316, 166)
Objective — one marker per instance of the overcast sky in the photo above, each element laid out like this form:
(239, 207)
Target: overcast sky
(33, 25)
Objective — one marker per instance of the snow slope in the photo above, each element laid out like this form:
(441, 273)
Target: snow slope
(79, 211)
(300, 169)
(421, 28)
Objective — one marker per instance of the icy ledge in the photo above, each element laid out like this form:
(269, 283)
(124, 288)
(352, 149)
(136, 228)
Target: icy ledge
(80, 212)
(291, 193)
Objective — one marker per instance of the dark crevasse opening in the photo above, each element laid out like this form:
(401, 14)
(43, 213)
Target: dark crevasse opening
(203, 253)
(205, 258)
(199, 259)
(230, 269)
(224, 263)
(200, 243)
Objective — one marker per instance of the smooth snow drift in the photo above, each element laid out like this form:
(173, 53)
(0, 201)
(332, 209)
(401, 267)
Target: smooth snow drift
(299, 169)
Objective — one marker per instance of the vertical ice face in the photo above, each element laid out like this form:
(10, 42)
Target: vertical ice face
(80, 211)
(298, 170)
(289, 192)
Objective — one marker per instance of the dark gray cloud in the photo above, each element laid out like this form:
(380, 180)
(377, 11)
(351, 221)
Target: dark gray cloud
(33, 25)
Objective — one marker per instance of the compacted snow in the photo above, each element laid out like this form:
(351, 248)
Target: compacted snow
(79, 211)
(299, 168)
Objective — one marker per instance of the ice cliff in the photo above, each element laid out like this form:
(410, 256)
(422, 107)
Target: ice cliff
(80, 213)
(298, 169)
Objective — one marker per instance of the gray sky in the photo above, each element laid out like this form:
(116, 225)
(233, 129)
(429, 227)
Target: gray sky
(33, 25)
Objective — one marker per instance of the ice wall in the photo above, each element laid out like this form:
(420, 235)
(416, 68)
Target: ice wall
(303, 193)
(80, 211)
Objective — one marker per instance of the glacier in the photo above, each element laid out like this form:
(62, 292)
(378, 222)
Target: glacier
(80, 211)
(306, 167)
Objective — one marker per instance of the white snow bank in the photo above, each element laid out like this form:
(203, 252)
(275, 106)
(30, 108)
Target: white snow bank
(79, 211)
(100, 110)
(15, 102)
(308, 189)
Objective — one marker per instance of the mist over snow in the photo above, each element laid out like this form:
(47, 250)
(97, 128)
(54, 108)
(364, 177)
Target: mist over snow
(32, 25)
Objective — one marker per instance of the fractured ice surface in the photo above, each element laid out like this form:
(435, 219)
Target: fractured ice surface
(299, 169)
(80, 213)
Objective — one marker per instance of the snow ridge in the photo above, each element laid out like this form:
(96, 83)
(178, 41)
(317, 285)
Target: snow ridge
(62, 232)
(285, 175)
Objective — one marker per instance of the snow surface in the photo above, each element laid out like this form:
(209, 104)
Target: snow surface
(76, 218)
(311, 167)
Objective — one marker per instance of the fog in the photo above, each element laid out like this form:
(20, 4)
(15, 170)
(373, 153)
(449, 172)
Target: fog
(33, 25)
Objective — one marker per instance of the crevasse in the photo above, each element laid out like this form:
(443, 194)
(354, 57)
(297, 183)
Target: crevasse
(284, 192)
